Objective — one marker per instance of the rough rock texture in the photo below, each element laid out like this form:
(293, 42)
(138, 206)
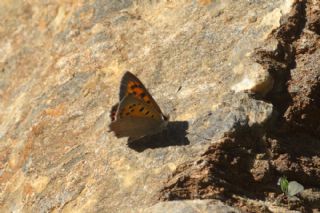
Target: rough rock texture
(240, 80)
(191, 206)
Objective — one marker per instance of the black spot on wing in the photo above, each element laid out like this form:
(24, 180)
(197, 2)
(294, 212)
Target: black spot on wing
(142, 95)
(134, 86)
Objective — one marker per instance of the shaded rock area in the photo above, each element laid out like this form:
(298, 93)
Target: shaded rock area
(240, 80)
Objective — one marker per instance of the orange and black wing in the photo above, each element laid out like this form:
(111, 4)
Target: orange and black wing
(131, 106)
(134, 118)
(130, 84)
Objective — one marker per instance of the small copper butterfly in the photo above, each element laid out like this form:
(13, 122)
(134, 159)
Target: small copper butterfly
(137, 114)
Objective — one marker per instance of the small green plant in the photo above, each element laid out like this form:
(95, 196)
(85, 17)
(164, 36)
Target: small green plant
(291, 188)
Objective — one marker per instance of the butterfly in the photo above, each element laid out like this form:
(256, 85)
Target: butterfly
(137, 114)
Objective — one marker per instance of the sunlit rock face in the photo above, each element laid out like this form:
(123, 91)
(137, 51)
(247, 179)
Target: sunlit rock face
(213, 66)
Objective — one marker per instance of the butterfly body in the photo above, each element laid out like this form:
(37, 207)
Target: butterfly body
(137, 114)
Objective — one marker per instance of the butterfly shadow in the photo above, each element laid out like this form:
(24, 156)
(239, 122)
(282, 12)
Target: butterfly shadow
(174, 135)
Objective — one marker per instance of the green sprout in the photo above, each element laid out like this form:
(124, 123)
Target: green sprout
(290, 188)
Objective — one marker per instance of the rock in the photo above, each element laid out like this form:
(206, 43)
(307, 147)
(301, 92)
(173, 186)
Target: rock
(236, 111)
(60, 67)
(249, 160)
(255, 79)
(191, 206)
